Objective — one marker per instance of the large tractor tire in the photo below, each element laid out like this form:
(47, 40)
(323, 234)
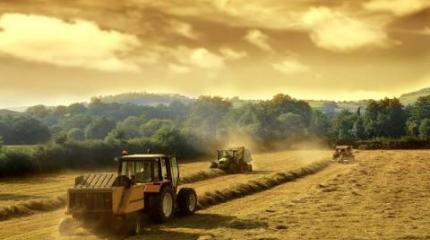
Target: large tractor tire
(249, 168)
(187, 201)
(162, 205)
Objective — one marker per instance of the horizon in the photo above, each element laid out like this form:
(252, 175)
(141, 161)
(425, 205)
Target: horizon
(88, 100)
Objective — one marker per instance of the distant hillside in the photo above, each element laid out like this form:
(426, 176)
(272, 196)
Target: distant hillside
(331, 107)
(150, 99)
(7, 112)
(410, 98)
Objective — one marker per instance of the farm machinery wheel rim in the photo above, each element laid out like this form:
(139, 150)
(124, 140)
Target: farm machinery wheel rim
(167, 205)
(192, 202)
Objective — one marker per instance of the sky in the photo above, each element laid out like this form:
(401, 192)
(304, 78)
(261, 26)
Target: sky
(58, 52)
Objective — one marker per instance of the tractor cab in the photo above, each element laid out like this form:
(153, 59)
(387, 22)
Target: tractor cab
(147, 168)
(343, 153)
(233, 160)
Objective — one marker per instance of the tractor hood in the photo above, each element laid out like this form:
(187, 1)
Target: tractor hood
(95, 181)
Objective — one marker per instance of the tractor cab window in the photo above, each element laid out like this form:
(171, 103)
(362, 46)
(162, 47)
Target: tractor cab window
(226, 154)
(175, 171)
(140, 171)
(163, 169)
(156, 170)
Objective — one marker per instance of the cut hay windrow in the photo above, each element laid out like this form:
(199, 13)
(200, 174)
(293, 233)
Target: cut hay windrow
(253, 186)
(201, 175)
(31, 207)
(206, 200)
(34, 206)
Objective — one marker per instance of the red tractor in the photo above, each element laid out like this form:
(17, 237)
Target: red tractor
(146, 184)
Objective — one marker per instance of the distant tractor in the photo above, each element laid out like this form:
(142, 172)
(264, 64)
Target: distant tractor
(233, 160)
(343, 154)
(146, 185)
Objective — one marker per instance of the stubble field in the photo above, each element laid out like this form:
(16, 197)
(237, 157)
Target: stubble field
(383, 195)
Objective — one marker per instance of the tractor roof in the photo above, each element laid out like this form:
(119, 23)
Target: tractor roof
(143, 156)
(232, 149)
(343, 147)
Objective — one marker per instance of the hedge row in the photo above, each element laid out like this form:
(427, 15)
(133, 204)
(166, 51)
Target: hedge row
(402, 143)
(81, 155)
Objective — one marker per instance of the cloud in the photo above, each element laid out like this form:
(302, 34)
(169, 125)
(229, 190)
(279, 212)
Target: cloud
(333, 30)
(231, 54)
(71, 44)
(179, 68)
(198, 57)
(183, 29)
(397, 7)
(201, 57)
(291, 66)
(259, 39)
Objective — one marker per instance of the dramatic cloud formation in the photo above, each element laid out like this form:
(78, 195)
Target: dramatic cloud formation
(231, 54)
(259, 39)
(397, 7)
(59, 51)
(199, 57)
(183, 29)
(291, 66)
(72, 44)
(336, 31)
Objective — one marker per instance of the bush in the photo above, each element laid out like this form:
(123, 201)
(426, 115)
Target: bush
(91, 153)
(15, 163)
(386, 143)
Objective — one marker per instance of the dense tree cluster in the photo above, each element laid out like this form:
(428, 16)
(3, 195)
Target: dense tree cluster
(91, 135)
(211, 120)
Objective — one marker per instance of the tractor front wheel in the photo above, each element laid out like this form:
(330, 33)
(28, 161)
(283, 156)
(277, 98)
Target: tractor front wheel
(187, 201)
(162, 205)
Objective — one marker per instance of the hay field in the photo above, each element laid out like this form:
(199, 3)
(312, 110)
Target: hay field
(21, 189)
(18, 190)
(386, 195)
(44, 225)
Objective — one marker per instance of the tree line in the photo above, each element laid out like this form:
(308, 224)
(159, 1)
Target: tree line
(89, 135)
(215, 119)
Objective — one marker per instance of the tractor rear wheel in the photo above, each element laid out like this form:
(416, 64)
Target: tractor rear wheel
(249, 168)
(187, 201)
(162, 205)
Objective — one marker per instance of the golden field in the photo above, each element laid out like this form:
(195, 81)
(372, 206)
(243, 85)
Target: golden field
(383, 195)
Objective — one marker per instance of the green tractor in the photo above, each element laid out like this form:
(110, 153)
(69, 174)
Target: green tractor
(233, 160)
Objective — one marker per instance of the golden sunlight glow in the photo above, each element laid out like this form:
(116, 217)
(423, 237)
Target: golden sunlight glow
(323, 49)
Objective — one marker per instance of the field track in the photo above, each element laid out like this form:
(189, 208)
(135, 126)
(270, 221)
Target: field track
(33, 227)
